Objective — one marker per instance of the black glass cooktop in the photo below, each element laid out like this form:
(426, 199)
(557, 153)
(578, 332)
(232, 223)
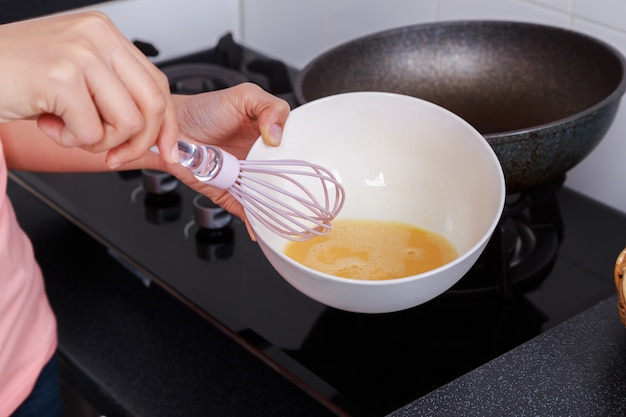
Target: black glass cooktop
(357, 364)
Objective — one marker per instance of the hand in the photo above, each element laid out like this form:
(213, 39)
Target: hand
(86, 85)
(232, 119)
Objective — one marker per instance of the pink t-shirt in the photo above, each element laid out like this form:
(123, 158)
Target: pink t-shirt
(27, 324)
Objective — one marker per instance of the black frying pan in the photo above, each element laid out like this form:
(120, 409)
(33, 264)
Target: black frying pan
(542, 96)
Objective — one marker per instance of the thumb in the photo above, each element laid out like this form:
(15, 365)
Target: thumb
(272, 135)
(51, 125)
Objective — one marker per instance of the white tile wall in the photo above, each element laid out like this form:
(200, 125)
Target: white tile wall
(608, 12)
(299, 31)
(176, 27)
(350, 19)
(561, 5)
(287, 29)
(501, 10)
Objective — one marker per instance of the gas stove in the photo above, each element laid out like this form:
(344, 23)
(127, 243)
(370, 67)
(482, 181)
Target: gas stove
(355, 364)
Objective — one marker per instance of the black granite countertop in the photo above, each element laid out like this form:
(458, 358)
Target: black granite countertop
(577, 368)
(135, 350)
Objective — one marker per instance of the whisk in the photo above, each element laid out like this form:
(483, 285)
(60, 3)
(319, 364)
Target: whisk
(293, 198)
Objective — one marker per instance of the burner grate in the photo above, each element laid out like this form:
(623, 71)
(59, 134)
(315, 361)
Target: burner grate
(523, 248)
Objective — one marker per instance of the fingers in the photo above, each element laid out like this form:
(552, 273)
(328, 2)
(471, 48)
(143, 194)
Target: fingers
(101, 113)
(166, 126)
(148, 113)
(158, 121)
(89, 87)
(67, 96)
(270, 111)
(169, 134)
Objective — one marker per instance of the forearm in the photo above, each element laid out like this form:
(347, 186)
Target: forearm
(27, 148)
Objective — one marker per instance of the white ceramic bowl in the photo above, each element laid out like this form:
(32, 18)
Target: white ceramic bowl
(400, 159)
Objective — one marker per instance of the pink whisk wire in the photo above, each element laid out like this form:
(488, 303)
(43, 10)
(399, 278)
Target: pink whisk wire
(301, 215)
(287, 207)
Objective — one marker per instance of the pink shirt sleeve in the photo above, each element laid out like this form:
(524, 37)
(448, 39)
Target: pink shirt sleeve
(27, 324)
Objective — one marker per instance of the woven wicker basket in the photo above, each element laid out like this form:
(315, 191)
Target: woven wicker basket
(620, 283)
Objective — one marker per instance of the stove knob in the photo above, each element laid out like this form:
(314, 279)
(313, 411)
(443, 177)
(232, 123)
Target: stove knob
(162, 204)
(158, 182)
(215, 245)
(209, 215)
(214, 238)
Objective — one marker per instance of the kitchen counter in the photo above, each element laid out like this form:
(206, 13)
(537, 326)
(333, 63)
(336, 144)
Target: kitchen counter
(575, 369)
(135, 350)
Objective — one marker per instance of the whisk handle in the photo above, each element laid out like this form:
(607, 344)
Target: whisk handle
(228, 173)
(209, 164)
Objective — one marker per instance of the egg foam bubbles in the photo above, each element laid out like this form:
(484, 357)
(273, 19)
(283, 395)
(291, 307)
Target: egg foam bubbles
(373, 250)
